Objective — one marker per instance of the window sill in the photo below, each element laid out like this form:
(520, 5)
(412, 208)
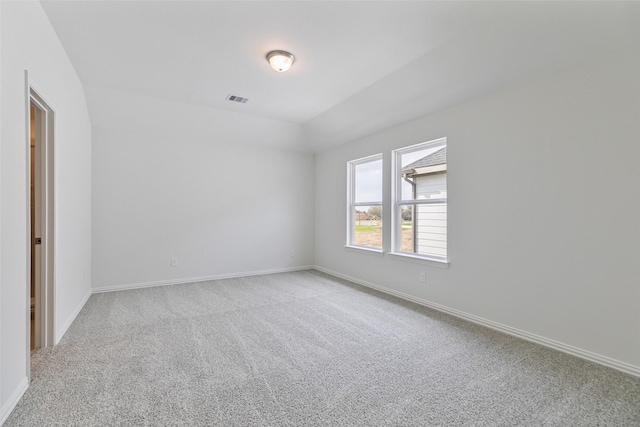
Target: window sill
(364, 249)
(435, 262)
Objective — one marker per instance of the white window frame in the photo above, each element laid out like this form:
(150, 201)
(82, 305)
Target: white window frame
(352, 204)
(397, 202)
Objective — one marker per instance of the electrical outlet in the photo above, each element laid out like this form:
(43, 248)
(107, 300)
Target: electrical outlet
(291, 254)
(174, 262)
(423, 277)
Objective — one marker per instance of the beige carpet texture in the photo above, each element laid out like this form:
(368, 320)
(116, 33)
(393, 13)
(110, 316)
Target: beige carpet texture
(305, 349)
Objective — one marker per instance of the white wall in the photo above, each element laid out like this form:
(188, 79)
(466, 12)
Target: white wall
(29, 43)
(113, 109)
(2, 405)
(529, 171)
(221, 208)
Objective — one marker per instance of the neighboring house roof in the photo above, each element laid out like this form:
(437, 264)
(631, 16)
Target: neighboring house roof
(434, 159)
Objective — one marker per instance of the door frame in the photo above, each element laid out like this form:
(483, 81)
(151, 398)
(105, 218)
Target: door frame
(45, 138)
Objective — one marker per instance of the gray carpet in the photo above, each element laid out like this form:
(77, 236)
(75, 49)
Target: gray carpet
(300, 349)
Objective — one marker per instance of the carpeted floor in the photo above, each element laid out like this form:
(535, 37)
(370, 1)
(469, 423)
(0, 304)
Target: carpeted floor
(305, 349)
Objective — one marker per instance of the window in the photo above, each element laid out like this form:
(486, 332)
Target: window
(364, 216)
(419, 216)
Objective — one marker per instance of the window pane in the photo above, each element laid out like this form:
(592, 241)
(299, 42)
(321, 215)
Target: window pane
(406, 228)
(424, 174)
(420, 203)
(424, 229)
(368, 182)
(367, 226)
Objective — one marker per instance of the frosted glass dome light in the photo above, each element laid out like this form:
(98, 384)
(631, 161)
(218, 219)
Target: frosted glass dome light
(280, 60)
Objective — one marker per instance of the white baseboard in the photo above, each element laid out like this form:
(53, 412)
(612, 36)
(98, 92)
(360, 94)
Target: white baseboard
(13, 400)
(547, 342)
(63, 329)
(198, 279)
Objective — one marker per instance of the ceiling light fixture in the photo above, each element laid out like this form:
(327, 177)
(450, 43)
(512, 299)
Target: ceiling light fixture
(280, 60)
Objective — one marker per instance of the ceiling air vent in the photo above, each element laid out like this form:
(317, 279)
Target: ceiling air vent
(237, 99)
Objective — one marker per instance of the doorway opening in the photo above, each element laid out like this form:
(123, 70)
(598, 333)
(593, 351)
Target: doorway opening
(40, 230)
(33, 330)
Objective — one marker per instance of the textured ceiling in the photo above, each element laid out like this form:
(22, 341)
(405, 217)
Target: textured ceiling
(360, 66)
